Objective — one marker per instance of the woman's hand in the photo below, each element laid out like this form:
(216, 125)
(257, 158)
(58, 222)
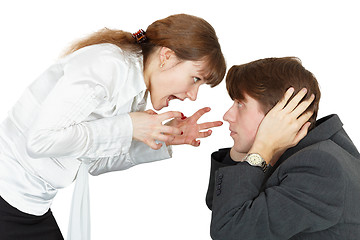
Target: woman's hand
(283, 127)
(191, 129)
(148, 127)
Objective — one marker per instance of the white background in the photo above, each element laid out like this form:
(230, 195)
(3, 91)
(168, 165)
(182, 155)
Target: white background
(166, 200)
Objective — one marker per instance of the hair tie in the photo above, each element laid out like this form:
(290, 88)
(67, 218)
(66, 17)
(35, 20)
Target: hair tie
(139, 36)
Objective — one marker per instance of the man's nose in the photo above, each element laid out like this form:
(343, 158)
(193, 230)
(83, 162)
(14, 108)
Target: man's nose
(229, 115)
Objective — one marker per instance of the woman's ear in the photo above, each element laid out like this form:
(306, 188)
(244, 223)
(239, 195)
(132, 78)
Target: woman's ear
(165, 55)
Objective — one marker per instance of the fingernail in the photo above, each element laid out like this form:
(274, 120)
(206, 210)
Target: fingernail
(304, 90)
(183, 118)
(313, 96)
(182, 133)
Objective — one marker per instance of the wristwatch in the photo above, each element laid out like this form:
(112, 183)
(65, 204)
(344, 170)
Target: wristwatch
(254, 159)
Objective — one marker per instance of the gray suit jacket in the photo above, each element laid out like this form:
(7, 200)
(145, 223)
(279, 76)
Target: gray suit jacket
(313, 192)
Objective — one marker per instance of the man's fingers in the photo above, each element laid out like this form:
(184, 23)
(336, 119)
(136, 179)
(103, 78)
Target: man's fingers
(302, 133)
(295, 101)
(303, 106)
(282, 103)
(207, 125)
(304, 117)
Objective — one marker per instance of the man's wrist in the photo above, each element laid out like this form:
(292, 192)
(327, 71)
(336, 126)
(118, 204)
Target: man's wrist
(254, 159)
(263, 151)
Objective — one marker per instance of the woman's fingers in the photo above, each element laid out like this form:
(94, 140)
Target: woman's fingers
(196, 116)
(156, 131)
(204, 134)
(164, 138)
(195, 143)
(170, 130)
(303, 106)
(148, 127)
(208, 125)
(153, 144)
(169, 115)
(151, 112)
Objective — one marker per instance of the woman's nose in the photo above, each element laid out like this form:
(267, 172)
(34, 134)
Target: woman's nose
(192, 94)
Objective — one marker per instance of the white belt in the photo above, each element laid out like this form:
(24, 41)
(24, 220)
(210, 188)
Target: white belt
(79, 222)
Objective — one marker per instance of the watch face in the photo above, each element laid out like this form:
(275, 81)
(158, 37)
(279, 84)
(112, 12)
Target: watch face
(255, 159)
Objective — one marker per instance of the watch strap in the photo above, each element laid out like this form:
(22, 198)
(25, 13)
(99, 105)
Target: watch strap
(264, 166)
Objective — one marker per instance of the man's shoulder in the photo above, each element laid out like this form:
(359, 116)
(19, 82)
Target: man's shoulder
(324, 157)
(325, 150)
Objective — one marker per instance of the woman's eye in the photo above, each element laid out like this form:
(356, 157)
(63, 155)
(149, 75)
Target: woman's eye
(196, 79)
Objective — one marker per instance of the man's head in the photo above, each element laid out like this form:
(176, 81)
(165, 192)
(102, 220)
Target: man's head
(256, 87)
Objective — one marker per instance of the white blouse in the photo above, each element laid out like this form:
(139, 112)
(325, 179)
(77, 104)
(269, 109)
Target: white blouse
(77, 110)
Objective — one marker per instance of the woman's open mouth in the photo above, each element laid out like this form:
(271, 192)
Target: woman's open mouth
(172, 97)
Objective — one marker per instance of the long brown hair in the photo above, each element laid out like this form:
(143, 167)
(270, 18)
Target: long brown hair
(191, 38)
(266, 80)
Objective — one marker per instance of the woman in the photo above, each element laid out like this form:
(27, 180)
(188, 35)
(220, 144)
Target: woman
(86, 113)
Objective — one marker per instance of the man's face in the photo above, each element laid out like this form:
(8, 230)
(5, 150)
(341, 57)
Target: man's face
(244, 118)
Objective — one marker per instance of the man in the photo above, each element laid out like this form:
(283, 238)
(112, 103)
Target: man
(310, 191)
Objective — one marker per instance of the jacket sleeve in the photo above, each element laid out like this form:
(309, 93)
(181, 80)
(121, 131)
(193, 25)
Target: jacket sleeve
(306, 197)
(219, 159)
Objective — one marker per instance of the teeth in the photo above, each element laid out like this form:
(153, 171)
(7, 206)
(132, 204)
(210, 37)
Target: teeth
(172, 97)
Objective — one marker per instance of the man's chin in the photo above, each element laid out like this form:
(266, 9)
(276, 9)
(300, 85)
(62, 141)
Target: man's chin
(237, 154)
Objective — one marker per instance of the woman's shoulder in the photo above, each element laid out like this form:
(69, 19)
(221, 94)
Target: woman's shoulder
(107, 65)
(104, 52)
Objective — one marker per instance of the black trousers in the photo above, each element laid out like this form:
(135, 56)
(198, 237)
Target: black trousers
(16, 225)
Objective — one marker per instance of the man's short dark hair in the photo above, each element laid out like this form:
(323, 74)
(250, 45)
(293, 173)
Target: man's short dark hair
(266, 80)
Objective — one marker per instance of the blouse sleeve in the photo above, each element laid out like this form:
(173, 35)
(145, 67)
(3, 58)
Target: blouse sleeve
(60, 128)
(138, 153)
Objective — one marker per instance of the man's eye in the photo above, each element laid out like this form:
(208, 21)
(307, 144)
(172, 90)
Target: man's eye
(196, 79)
